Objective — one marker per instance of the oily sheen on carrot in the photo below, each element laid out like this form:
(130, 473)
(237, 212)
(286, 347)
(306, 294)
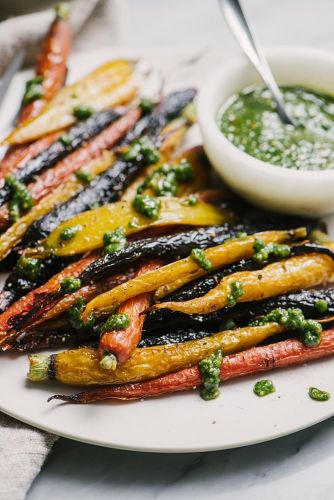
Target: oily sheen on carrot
(52, 177)
(122, 343)
(283, 354)
(38, 298)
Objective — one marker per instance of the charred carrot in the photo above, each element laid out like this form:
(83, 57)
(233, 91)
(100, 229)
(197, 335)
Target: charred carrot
(52, 177)
(82, 366)
(187, 269)
(282, 354)
(38, 298)
(117, 345)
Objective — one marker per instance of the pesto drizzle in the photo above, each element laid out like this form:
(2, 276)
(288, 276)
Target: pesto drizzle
(210, 371)
(114, 241)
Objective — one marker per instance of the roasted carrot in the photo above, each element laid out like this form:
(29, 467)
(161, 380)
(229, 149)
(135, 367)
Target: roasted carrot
(187, 269)
(51, 62)
(296, 273)
(52, 68)
(116, 346)
(52, 177)
(283, 354)
(38, 298)
(82, 366)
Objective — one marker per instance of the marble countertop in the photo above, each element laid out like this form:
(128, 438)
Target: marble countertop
(294, 467)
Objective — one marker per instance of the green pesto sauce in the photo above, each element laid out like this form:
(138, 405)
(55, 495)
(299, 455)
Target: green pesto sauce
(236, 291)
(191, 201)
(142, 149)
(65, 140)
(70, 284)
(119, 321)
(263, 251)
(263, 388)
(69, 232)
(84, 177)
(33, 90)
(82, 112)
(75, 319)
(29, 268)
(294, 319)
(318, 395)
(114, 241)
(20, 198)
(165, 180)
(250, 121)
(147, 205)
(210, 371)
(198, 255)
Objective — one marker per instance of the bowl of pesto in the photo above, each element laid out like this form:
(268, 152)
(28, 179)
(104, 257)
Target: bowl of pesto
(280, 167)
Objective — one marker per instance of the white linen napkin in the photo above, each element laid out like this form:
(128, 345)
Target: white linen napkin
(96, 23)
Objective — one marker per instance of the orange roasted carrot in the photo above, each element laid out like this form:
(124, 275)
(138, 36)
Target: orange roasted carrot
(116, 346)
(52, 67)
(51, 62)
(286, 353)
(52, 177)
(38, 299)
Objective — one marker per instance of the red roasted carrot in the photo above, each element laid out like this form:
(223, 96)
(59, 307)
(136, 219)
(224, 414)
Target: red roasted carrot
(117, 346)
(52, 66)
(73, 162)
(38, 299)
(257, 359)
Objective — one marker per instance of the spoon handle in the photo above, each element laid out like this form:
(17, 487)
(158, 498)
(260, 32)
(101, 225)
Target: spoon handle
(243, 33)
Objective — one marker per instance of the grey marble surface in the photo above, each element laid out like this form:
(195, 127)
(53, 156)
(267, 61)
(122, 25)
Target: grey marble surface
(294, 467)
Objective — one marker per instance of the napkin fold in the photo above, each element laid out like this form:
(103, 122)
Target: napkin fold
(95, 24)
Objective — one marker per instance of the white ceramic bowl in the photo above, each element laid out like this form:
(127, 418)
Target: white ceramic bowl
(309, 193)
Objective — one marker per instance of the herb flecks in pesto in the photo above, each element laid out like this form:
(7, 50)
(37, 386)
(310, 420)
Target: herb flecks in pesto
(70, 284)
(33, 90)
(29, 268)
(263, 251)
(294, 319)
(198, 255)
(321, 305)
(165, 181)
(20, 197)
(147, 205)
(69, 232)
(264, 388)
(114, 241)
(65, 140)
(82, 112)
(75, 319)
(119, 321)
(146, 105)
(191, 201)
(318, 394)
(84, 177)
(250, 121)
(210, 371)
(236, 291)
(142, 149)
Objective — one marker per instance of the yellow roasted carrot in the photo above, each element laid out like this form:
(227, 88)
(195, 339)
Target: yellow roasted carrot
(82, 366)
(296, 273)
(92, 225)
(187, 269)
(104, 87)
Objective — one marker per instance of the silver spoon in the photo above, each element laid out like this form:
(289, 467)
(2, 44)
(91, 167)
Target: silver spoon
(241, 30)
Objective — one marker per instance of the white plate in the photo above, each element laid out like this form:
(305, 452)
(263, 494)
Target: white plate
(177, 423)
